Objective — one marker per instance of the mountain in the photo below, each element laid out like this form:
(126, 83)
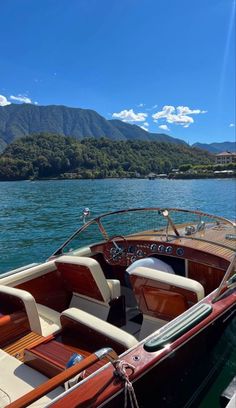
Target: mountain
(217, 147)
(136, 132)
(26, 119)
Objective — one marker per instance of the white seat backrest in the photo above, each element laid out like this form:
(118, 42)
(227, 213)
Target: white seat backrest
(173, 280)
(97, 277)
(101, 327)
(29, 304)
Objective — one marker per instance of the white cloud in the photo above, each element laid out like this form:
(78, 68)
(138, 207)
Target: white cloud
(4, 101)
(185, 110)
(130, 116)
(231, 125)
(164, 127)
(179, 115)
(21, 98)
(141, 105)
(146, 124)
(165, 113)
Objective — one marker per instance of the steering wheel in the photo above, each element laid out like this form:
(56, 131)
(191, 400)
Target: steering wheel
(115, 251)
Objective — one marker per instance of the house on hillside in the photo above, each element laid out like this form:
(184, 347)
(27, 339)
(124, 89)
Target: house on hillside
(225, 158)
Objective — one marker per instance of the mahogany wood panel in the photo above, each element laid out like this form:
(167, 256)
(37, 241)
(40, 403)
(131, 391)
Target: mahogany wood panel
(10, 303)
(159, 299)
(12, 327)
(49, 290)
(163, 304)
(208, 276)
(198, 251)
(13, 319)
(51, 357)
(78, 278)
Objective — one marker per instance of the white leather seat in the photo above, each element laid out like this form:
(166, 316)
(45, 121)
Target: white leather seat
(108, 288)
(170, 279)
(161, 296)
(49, 319)
(16, 379)
(84, 276)
(42, 319)
(96, 327)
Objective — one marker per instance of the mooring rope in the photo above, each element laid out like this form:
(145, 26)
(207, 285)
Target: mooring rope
(121, 368)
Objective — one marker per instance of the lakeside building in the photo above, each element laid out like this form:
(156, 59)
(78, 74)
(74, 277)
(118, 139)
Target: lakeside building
(225, 158)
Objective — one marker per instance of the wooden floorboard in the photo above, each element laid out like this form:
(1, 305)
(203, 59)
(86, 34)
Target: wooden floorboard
(17, 348)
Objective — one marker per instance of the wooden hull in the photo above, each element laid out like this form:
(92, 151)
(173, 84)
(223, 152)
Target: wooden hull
(183, 377)
(175, 378)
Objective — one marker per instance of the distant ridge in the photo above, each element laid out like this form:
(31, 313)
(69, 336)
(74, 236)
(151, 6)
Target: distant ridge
(136, 132)
(18, 120)
(217, 147)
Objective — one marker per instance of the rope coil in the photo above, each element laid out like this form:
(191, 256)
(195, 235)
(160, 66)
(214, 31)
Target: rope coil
(121, 368)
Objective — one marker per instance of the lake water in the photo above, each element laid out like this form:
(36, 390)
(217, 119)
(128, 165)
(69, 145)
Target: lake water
(36, 217)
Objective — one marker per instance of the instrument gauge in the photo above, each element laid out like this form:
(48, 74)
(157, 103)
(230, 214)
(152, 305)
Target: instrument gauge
(180, 251)
(153, 247)
(169, 249)
(139, 253)
(161, 248)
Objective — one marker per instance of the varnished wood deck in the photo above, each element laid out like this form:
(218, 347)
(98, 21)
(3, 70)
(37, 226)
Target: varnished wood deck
(17, 348)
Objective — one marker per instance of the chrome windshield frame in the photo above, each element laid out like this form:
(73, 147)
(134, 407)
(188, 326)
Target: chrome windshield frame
(159, 210)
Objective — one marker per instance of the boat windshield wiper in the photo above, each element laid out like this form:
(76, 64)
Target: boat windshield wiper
(165, 214)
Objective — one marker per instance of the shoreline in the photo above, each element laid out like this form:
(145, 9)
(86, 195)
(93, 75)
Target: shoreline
(176, 177)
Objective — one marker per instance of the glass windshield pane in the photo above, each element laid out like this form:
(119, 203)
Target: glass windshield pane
(154, 221)
(90, 235)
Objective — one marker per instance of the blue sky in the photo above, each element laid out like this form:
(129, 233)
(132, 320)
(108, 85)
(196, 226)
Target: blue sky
(165, 65)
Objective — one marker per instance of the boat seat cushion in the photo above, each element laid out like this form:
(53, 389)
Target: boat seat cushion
(96, 327)
(114, 286)
(49, 319)
(173, 280)
(163, 295)
(85, 276)
(17, 378)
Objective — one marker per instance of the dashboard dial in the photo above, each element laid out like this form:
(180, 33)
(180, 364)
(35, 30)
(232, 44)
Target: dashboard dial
(169, 249)
(153, 247)
(139, 252)
(161, 248)
(180, 251)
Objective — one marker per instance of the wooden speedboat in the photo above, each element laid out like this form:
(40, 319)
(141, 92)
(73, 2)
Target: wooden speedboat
(138, 304)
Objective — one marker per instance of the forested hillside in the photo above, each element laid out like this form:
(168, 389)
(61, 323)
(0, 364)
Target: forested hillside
(45, 155)
(26, 119)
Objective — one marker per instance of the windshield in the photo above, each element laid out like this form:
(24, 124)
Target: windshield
(154, 221)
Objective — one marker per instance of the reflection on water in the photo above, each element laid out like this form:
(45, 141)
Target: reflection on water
(36, 217)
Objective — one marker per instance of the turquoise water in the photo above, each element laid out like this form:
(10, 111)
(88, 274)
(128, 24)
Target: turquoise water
(36, 217)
